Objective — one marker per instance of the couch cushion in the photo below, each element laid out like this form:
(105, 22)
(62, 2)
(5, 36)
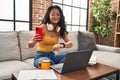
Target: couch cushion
(108, 58)
(107, 48)
(30, 61)
(24, 37)
(86, 41)
(9, 46)
(73, 36)
(8, 67)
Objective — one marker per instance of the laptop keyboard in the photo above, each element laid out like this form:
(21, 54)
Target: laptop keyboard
(58, 67)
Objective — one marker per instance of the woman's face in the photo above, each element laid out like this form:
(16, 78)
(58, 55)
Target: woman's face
(54, 16)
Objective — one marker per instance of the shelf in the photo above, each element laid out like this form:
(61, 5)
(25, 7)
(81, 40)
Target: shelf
(118, 15)
(117, 28)
(117, 32)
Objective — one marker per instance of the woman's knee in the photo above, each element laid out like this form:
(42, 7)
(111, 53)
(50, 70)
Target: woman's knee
(62, 60)
(36, 62)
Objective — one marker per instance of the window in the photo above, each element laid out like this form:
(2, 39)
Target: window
(75, 12)
(15, 15)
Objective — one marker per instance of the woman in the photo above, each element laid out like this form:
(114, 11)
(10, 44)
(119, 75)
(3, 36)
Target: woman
(54, 27)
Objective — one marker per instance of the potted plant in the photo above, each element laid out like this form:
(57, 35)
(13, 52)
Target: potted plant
(101, 17)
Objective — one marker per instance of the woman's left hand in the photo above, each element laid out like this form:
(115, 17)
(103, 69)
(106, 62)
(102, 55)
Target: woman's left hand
(56, 47)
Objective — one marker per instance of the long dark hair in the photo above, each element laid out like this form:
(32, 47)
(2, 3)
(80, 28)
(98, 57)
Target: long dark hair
(61, 23)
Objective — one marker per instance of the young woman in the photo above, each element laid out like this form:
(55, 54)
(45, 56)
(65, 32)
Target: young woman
(54, 27)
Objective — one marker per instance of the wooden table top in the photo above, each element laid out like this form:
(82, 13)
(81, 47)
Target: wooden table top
(90, 73)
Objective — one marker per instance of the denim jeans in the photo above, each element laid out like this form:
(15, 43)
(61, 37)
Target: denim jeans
(54, 59)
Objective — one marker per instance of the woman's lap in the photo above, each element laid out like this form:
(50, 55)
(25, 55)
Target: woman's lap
(55, 59)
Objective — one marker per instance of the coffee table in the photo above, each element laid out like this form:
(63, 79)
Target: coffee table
(90, 73)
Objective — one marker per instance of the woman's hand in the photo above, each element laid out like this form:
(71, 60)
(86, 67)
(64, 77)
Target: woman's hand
(34, 40)
(56, 47)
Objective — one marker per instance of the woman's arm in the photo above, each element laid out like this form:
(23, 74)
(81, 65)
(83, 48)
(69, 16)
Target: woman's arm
(33, 41)
(68, 43)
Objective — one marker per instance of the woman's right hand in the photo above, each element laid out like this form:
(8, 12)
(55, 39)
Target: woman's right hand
(34, 40)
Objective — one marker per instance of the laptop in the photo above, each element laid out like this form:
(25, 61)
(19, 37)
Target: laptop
(73, 61)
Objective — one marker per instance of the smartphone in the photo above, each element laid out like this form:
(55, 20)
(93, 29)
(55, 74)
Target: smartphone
(39, 31)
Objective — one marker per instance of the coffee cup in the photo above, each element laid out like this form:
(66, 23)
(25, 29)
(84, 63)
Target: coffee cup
(45, 64)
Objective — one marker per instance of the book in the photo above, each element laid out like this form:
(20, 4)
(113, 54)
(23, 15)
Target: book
(93, 60)
(37, 75)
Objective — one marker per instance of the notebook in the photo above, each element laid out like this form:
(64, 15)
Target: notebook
(37, 75)
(73, 61)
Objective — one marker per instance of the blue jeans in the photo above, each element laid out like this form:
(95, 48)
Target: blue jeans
(54, 59)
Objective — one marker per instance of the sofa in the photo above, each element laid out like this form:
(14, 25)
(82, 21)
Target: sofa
(15, 55)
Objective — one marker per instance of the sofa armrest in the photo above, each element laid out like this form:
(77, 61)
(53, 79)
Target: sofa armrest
(107, 48)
